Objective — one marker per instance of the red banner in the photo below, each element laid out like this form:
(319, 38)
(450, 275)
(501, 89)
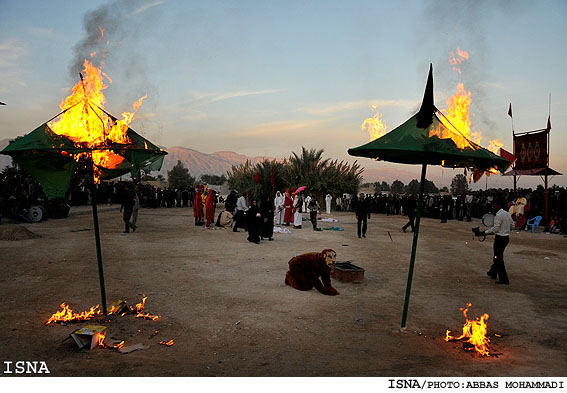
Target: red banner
(531, 150)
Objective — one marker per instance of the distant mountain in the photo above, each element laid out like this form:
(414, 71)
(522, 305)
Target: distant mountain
(202, 163)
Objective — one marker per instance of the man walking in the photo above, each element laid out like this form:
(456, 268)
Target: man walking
(314, 208)
(136, 208)
(361, 211)
(409, 209)
(128, 201)
(501, 229)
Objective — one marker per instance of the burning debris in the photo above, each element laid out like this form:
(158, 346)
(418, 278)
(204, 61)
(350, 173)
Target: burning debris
(66, 315)
(167, 343)
(101, 343)
(474, 334)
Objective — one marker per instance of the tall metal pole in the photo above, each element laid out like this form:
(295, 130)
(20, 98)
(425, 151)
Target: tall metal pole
(97, 241)
(414, 246)
(546, 194)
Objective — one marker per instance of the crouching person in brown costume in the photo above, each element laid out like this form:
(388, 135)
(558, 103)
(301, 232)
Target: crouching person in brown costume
(305, 270)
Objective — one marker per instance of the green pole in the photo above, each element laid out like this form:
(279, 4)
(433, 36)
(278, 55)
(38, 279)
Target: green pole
(97, 241)
(414, 246)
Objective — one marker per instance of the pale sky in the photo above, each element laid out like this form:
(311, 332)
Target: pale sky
(263, 78)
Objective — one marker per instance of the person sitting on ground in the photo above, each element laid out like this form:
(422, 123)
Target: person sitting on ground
(224, 219)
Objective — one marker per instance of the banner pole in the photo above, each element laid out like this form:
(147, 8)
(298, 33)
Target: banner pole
(414, 246)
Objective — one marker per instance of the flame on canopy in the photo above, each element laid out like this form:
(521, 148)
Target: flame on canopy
(474, 332)
(458, 59)
(458, 124)
(374, 125)
(85, 122)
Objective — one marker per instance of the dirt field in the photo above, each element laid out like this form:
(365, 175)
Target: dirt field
(224, 303)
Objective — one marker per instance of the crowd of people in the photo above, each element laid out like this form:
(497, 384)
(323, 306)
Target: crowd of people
(523, 206)
(19, 193)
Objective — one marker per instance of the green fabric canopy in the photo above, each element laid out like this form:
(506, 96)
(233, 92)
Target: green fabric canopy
(50, 158)
(409, 144)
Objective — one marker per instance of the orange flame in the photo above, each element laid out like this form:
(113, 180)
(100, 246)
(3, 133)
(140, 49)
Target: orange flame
(85, 122)
(168, 343)
(456, 120)
(101, 343)
(67, 315)
(455, 61)
(140, 309)
(376, 128)
(474, 332)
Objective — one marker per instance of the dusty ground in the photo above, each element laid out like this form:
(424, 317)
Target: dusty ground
(224, 303)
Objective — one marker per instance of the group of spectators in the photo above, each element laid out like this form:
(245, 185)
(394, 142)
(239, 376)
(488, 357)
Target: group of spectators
(19, 193)
(472, 204)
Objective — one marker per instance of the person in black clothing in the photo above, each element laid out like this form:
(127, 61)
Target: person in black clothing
(230, 202)
(128, 201)
(267, 210)
(444, 206)
(362, 214)
(314, 208)
(253, 219)
(409, 209)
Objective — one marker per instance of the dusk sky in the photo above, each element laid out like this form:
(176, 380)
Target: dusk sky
(263, 78)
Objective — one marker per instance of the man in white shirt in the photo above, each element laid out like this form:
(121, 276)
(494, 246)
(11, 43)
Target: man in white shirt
(501, 229)
(240, 216)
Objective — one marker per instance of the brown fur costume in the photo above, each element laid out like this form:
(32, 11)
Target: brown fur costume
(305, 270)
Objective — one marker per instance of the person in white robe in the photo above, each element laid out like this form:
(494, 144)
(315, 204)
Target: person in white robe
(328, 200)
(279, 202)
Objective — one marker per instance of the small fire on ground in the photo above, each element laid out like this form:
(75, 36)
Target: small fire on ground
(103, 345)
(474, 334)
(67, 315)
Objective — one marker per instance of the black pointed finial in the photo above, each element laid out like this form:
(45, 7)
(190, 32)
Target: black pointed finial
(425, 114)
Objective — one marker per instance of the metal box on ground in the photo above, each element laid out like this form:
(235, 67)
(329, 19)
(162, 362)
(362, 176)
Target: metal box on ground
(347, 272)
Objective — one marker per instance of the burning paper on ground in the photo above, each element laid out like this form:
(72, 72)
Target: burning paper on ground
(474, 334)
(117, 307)
(89, 336)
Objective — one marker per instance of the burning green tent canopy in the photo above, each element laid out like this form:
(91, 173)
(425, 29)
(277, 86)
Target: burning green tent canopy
(409, 144)
(425, 140)
(50, 158)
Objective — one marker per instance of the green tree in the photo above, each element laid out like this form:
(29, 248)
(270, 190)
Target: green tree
(430, 187)
(385, 186)
(397, 187)
(459, 184)
(320, 176)
(179, 177)
(413, 187)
